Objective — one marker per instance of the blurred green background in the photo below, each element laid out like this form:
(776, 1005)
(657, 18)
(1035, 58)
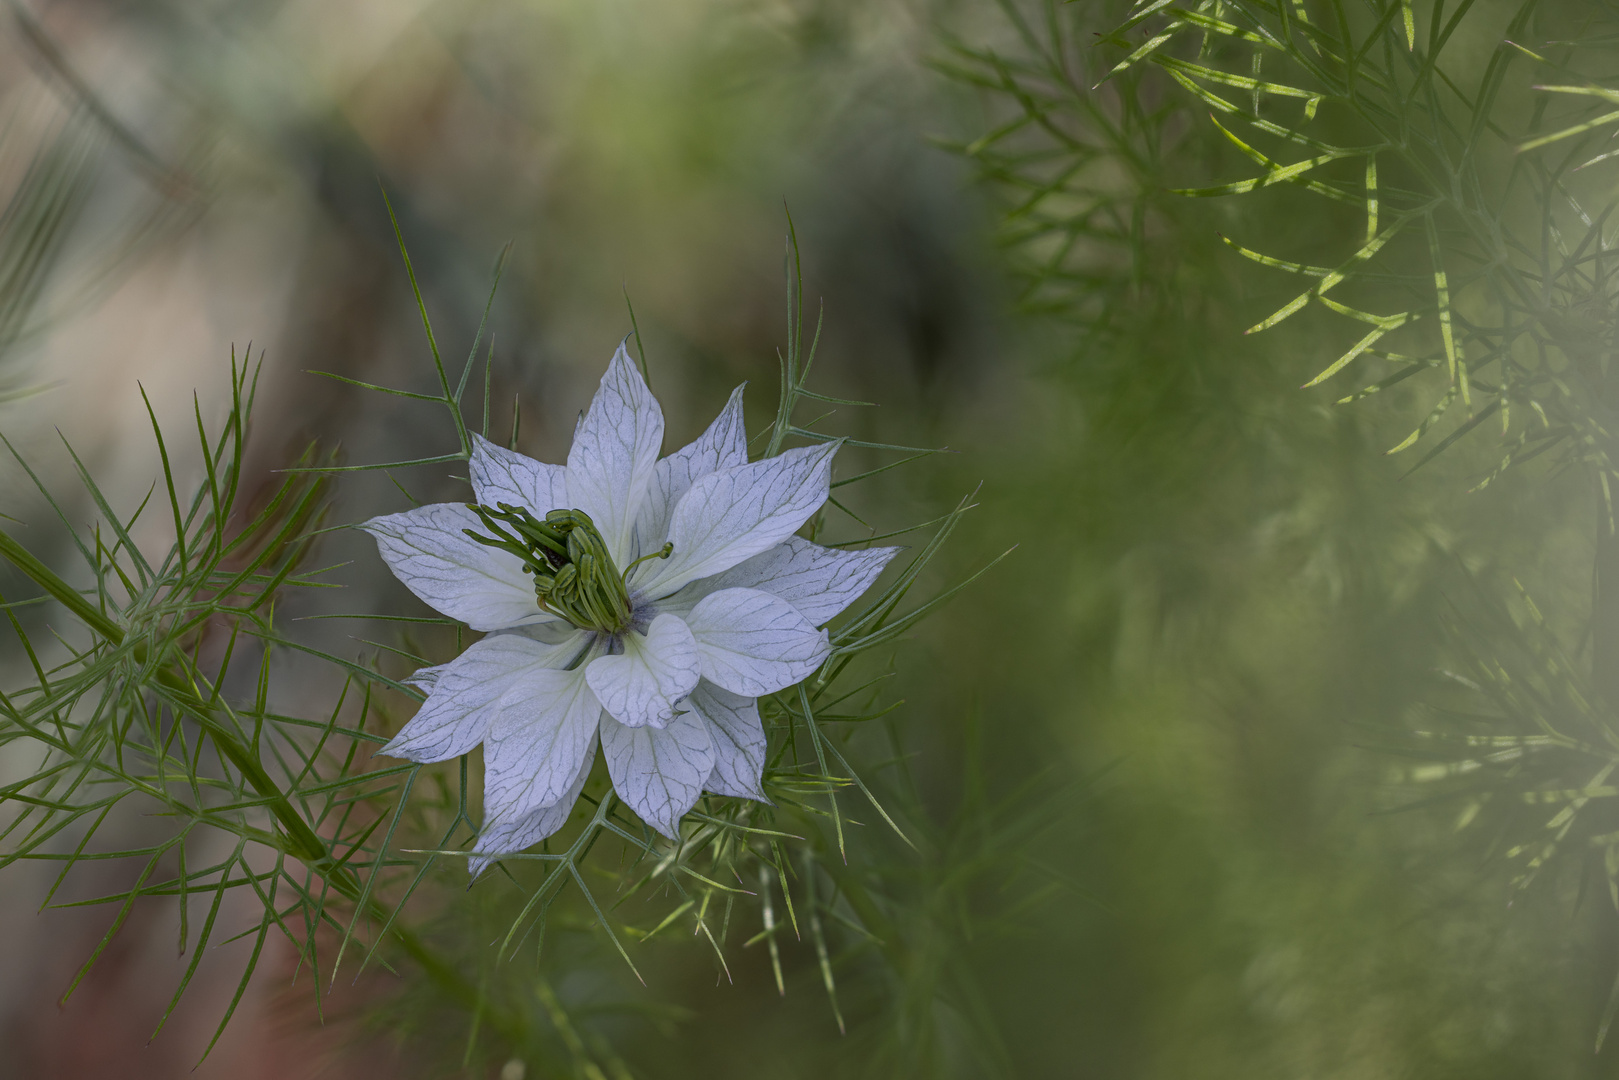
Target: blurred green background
(1145, 757)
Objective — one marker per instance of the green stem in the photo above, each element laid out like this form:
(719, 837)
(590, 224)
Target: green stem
(305, 844)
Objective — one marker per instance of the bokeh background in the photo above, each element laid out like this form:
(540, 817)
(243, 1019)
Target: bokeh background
(1143, 756)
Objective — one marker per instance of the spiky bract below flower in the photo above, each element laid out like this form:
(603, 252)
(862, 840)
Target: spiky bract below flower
(644, 604)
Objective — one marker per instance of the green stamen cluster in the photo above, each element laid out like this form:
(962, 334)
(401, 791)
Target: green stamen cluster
(574, 575)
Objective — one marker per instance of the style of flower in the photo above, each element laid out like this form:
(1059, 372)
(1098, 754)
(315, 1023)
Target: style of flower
(638, 602)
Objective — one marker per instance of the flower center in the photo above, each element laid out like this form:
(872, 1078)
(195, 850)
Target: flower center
(574, 575)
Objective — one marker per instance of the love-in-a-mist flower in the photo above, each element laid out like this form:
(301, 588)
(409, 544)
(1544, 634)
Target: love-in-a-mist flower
(642, 603)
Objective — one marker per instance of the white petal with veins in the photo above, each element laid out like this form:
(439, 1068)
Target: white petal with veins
(425, 678)
(534, 747)
(500, 475)
(819, 581)
(615, 449)
(722, 446)
(738, 738)
(641, 685)
(427, 550)
(752, 643)
(470, 692)
(736, 513)
(659, 772)
(498, 838)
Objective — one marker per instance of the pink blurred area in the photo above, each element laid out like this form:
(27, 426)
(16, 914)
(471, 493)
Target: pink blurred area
(106, 1028)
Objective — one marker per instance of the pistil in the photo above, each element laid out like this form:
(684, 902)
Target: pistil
(574, 575)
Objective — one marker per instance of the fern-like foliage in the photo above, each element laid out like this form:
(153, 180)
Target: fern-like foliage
(1472, 251)
(1452, 165)
(162, 700)
(1482, 264)
(1077, 168)
(1483, 270)
(128, 711)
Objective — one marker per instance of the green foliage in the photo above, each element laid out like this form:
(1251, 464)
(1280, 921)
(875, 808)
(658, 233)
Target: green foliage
(1483, 268)
(163, 701)
(1472, 254)
(135, 714)
(1482, 264)
(1078, 169)
(1429, 183)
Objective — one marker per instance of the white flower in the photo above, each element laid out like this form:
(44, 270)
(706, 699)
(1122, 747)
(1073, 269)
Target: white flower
(640, 602)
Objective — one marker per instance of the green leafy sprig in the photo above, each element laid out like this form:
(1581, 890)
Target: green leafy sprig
(144, 707)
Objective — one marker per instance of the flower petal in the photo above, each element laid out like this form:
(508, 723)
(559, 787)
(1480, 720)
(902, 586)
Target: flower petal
(425, 678)
(427, 550)
(503, 838)
(471, 691)
(532, 752)
(614, 450)
(500, 475)
(659, 772)
(550, 633)
(642, 684)
(739, 741)
(722, 446)
(739, 512)
(818, 581)
(752, 643)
